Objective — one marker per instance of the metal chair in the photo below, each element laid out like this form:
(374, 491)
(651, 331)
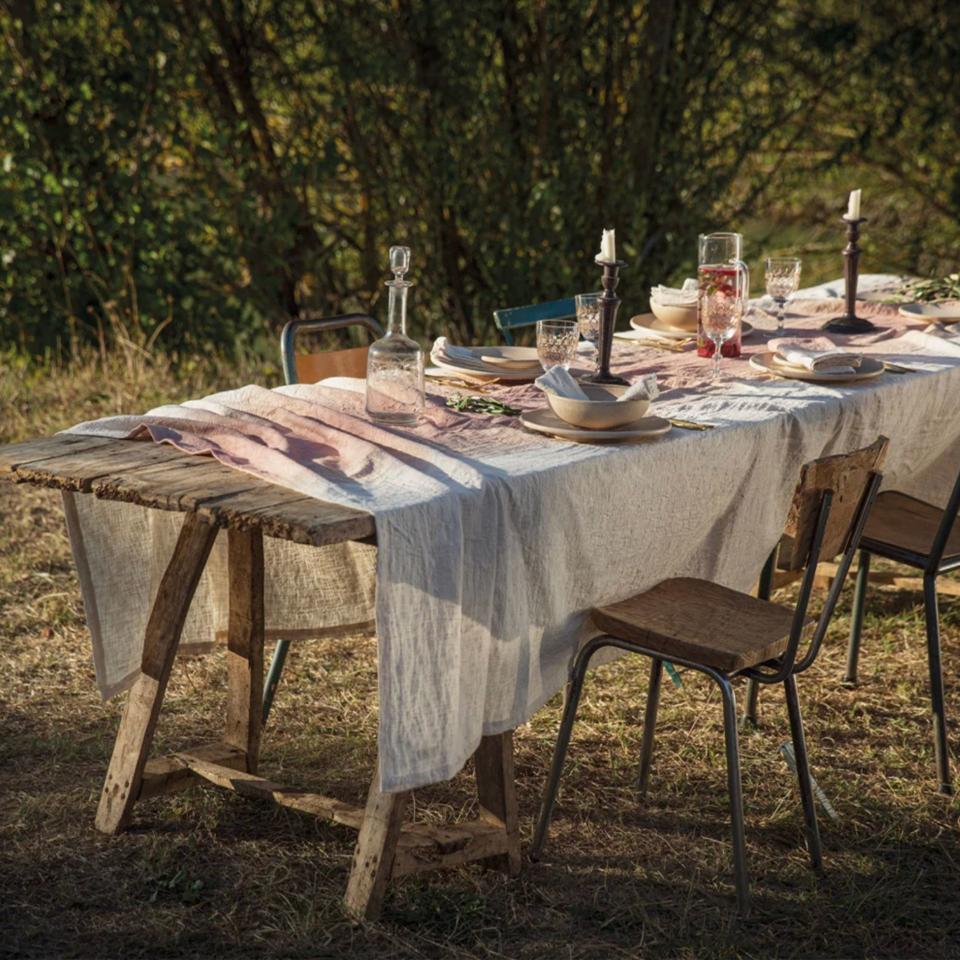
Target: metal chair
(919, 535)
(513, 318)
(726, 634)
(308, 368)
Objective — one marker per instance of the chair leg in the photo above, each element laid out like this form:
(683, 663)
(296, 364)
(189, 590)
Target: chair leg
(273, 675)
(749, 718)
(736, 794)
(941, 754)
(803, 772)
(856, 617)
(572, 699)
(764, 589)
(650, 723)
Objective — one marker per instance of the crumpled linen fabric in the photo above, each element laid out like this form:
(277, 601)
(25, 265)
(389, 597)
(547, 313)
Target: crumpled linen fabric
(493, 543)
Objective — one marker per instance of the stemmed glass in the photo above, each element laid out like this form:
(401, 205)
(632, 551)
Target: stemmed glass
(783, 279)
(588, 316)
(557, 342)
(720, 318)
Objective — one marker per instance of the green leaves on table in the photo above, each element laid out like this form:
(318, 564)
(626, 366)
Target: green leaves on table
(477, 404)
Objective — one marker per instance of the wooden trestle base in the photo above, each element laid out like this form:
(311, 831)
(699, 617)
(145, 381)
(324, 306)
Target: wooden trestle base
(387, 846)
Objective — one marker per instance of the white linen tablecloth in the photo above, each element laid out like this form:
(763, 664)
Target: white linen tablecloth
(494, 542)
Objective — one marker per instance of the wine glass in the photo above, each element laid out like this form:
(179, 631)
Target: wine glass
(783, 279)
(720, 317)
(588, 317)
(557, 342)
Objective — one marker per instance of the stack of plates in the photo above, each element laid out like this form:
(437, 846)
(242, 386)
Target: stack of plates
(505, 363)
(546, 421)
(649, 325)
(946, 311)
(771, 363)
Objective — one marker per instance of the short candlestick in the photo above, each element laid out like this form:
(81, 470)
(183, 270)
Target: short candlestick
(609, 302)
(850, 322)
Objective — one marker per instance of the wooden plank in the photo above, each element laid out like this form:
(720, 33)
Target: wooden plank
(422, 844)
(846, 476)
(260, 788)
(177, 483)
(496, 789)
(375, 851)
(122, 785)
(245, 643)
(292, 517)
(79, 470)
(161, 477)
(484, 841)
(170, 774)
(15, 455)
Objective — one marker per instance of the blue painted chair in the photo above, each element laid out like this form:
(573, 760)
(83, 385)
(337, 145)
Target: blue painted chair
(513, 318)
(308, 368)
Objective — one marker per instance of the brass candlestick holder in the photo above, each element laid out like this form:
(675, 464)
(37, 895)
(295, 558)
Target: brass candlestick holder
(609, 302)
(850, 322)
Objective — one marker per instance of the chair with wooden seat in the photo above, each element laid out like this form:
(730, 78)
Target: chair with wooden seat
(919, 535)
(309, 368)
(514, 318)
(726, 634)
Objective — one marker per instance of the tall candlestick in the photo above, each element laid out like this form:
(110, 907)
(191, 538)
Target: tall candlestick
(850, 322)
(609, 302)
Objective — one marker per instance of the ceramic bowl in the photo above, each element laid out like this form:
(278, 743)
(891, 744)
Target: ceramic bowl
(674, 315)
(602, 411)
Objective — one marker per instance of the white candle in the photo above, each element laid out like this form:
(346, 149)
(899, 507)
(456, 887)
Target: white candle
(853, 205)
(608, 247)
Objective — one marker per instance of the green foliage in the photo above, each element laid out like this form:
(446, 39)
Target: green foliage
(938, 288)
(189, 172)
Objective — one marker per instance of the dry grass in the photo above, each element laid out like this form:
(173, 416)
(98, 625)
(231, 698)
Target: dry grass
(208, 874)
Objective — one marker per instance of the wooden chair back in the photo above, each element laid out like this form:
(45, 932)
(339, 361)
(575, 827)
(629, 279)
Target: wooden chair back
(311, 367)
(513, 318)
(846, 477)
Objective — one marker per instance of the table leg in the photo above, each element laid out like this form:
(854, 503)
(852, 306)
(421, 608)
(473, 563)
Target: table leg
(496, 789)
(375, 851)
(245, 644)
(177, 586)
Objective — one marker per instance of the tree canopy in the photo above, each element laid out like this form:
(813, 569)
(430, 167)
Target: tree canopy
(192, 171)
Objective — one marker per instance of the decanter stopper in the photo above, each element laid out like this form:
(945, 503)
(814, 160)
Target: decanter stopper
(399, 261)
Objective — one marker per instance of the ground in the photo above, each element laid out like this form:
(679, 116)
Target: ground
(203, 873)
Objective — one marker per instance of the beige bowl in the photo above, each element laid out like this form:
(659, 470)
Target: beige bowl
(603, 411)
(678, 317)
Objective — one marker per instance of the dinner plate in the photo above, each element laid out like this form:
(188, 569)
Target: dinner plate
(544, 420)
(767, 362)
(650, 326)
(513, 358)
(480, 370)
(947, 311)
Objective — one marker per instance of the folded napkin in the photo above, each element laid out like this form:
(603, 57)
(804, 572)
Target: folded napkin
(560, 381)
(816, 354)
(443, 348)
(676, 296)
(645, 388)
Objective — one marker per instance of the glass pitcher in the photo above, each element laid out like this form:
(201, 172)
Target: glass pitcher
(724, 285)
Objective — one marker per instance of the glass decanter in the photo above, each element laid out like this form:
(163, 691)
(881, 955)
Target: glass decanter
(395, 391)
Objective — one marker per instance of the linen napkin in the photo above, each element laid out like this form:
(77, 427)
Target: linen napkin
(461, 355)
(558, 380)
(816, 354)
(646, 388)
(676, 296)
